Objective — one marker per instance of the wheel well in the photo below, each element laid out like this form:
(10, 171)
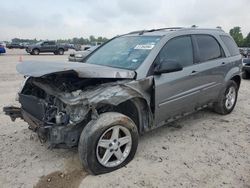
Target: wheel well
(237, 79)
(129, 109)
(60, 49)
(136, 109)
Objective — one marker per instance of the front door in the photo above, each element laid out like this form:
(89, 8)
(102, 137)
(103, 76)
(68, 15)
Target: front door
(48, 46)
(176, 93)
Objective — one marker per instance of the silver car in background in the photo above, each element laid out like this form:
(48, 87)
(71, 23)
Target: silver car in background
(78, 56)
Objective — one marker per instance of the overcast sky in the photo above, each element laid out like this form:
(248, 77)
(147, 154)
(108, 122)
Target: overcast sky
(47, 19)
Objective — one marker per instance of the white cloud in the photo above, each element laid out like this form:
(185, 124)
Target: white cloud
(66, 19)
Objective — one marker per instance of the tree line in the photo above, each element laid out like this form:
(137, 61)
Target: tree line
(240, 40)
(82, 41)
(234, 32)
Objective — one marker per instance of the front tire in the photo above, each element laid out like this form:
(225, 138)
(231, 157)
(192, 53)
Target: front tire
(227, 99)
(108, 143)
(35, 52)
(61, 51)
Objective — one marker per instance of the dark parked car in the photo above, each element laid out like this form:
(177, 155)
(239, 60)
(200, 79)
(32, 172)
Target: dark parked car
(244, 52)
(128, 86)
(14, 45)
(80, 55)
(25, 44)
(45, 47)
(2, 49)
(246, 68)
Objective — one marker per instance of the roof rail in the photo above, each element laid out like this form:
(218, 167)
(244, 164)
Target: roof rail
(218, 28)
(152, 30)
(134, 32)
(140, 32)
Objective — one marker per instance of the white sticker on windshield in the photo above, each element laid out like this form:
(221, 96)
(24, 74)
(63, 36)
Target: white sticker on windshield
(144, 46)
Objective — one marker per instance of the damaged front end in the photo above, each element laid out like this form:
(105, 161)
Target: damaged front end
(57, 106)
(46, 105)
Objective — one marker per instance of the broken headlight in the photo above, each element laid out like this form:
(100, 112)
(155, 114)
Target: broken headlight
(20, 89)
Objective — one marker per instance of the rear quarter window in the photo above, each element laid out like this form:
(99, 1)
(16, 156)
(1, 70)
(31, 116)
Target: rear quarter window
(209, 48)
(231, 45)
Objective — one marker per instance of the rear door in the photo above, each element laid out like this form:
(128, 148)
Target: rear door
(212, 67)
(52, 46)
(176, 93)
(48, 46)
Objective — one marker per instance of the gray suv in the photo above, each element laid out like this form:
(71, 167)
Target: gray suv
(45, 47)
(130, 85)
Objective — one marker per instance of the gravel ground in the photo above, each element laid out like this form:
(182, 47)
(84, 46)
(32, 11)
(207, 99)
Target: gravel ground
(201, 150)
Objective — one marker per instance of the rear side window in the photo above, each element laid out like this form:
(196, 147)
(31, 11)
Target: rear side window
(208, 47)
(51, 43)
(231, 45)
(178, 49)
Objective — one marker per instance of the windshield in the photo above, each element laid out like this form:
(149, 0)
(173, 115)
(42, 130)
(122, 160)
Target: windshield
(39, 43)
(127, 52)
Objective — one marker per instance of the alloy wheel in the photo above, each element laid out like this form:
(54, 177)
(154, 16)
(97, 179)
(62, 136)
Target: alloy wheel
(114, 146)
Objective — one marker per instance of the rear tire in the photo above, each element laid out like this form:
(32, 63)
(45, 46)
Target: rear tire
(227, 99)
(108, 143)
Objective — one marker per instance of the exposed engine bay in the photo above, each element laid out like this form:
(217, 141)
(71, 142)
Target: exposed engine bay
(60, 98)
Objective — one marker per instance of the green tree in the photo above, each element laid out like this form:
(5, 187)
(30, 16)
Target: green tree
(237, 35)
(92, 38)
(247, 41)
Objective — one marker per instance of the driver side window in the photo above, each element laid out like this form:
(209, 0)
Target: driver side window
(179, 50)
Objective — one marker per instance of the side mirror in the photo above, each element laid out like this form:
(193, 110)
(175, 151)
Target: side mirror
(167, 67)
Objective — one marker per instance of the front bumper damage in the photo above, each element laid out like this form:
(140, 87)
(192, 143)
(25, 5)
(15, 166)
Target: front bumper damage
(13, 112)
(55, 134)
(59, 117)
(16, 112)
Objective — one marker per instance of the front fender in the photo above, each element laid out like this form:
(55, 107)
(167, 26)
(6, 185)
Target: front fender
(120, 93)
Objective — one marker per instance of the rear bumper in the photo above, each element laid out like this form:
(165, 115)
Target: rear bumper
(246, 68)
(28, 50)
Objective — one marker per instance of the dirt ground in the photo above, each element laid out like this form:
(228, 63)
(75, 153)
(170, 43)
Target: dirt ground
(201, 150)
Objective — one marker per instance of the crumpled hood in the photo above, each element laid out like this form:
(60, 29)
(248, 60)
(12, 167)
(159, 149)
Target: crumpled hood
(84, 70)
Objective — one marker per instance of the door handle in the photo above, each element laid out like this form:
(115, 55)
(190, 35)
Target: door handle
(194, 72)
(223, 63)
